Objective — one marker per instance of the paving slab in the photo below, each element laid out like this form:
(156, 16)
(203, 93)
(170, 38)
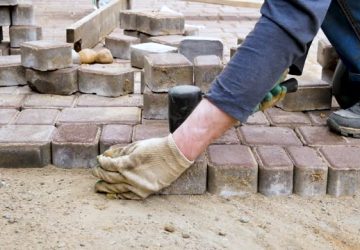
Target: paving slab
(24, 33)
(192, 182)
(232, 170)
(257, 135)
(193, 46)
(4, 48)
(206, 69)
(230, 137)
(76, 146)
(164, 71)
(171, 40)
(258, 118)
(48, 101)
(281, 118)
(310, 171)
(128, 19)
(57, 82)
(319, 118)
(148, 131)
(344, 170)
(46, 55)
(120, 44)
(156, 105)
(133, 100)
(115, 135)
(25, 145)
(139, 51)
(275, 171)
(111, 80)
(11, 71)
(101, 115)
(8, 116)
(37, 117)
(319, 136)
(23, 14)
(11, 101)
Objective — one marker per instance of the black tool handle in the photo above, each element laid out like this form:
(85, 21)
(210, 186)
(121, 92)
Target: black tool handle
(182, 101)
(291, 85)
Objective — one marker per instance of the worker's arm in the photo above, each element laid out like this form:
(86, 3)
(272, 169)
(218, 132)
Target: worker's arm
(279, 39)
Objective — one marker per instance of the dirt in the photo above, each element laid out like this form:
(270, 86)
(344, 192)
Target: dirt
(53, 208)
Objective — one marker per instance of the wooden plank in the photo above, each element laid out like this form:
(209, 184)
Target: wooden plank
(90, 30)
(235, 3)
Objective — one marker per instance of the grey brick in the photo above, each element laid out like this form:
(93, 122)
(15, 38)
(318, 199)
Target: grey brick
(7, 116)
(37, 117)
(310, 172)
(11, 101)
(206, 69)
(275, 171)
(319, 136)
(11, 71)
(171, 40)
(327, 56)
(128, 19)
(232, 170)
(193, 46)
(135, 100)
(106, 79)
(119, 45)
(25, 146)
(48, 101)
(46, 55)
(148, 131)
(164, 71)
(156, 105)
(230, 137)
(24, 33)
(23, 14)
(58, 82)
(75, 146)
(5, 17)
(115, 135)
(257, 118)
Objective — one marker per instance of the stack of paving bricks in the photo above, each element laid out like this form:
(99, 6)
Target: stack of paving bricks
(21, 21)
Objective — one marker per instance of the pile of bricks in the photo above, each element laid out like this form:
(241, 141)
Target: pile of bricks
(21, 21)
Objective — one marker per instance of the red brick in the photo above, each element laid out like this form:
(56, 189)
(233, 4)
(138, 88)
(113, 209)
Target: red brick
(344, 169)
(148, 131)
(275, 171)
(232, 170)
(310, 172)
(255, 135)
(278, 117)
(319, 136)
(115, 134)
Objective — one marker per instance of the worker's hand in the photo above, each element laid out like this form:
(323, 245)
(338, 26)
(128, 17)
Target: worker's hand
(276, 95)
(140, 169)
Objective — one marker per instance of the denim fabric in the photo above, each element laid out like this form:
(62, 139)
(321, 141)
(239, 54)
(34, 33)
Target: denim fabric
(280, 39)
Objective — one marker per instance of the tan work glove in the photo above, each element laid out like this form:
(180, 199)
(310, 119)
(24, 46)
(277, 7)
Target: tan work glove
(140, 169)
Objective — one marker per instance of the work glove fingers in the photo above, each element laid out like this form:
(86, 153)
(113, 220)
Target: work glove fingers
(109, 177)
(115, 164)
(120, 150)
(129, 196)
(104, 187)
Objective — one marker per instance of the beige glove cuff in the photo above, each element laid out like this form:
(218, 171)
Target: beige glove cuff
(179, 156)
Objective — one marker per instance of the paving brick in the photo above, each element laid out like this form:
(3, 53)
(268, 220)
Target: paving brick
(4, 48)
(8, 2)
(164, 71)
(7, 116)
(135, 100)
(11, 71)
(232, 170)
(11, 101)
(148, 131)
(156, 105)
(327, 56)
(319, 136)
(171, 40)
(275, 171)
(308, 98)
(192, 182)
(140, 50)
(46, 55)
(15, 51)
(120, 44)
(255, 135)
(37, 117)
(25, 146)
(310, 172)
(206, 69)
(193, 46)
(319, 118)
(115, 135)
(144, 38)
(100, 116)
(24, 33)
(258, 118)
(48, 101)
(128, 19)
(106, 80)
(57, 82)
(5, 17)
(156, 23)
(75, 146)
(278, 117)
(230, 137)
(344, 169)
(133, 33)
(23, 14)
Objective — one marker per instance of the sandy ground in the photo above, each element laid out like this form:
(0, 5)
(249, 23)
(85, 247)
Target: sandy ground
(53, 208)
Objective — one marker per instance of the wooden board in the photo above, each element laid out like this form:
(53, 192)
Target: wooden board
(90, 30)
(235, 3)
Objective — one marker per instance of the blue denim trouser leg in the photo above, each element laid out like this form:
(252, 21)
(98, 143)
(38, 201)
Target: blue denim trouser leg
(280, 39)
(342, 27)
